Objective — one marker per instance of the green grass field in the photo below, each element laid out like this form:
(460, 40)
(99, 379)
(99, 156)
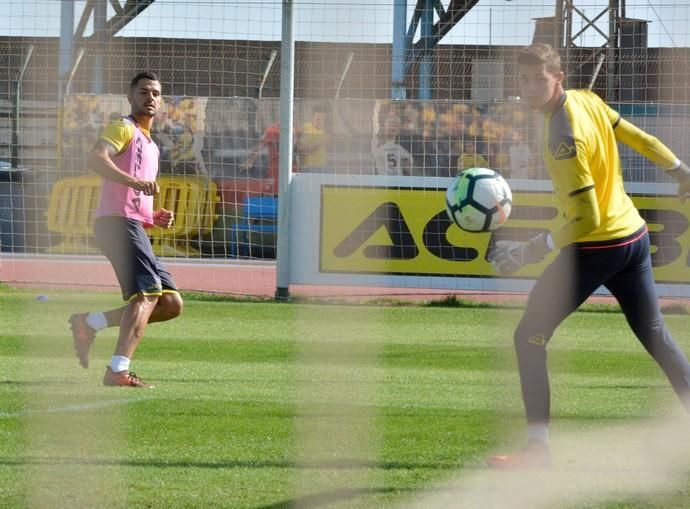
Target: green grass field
(264, 405)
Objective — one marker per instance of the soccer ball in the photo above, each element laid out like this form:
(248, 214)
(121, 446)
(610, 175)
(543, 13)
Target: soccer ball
(478, 200)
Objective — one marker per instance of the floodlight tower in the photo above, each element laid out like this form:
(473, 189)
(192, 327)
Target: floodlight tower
(622, 37)
(103, 29)
(406, 52)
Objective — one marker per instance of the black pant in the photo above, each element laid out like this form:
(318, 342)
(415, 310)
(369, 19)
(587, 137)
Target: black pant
(625, 268)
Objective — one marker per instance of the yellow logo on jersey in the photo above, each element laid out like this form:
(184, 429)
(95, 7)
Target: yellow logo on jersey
(539, 340)
(564, 151)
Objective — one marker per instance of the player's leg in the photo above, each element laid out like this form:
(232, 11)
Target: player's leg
(133, 323)
(134, 320)
(113, 236)
(85, 326)
(169, 306)
(142, 286)
(563, 286)
(559, 291)
(114, 241)
(635, 291)
(83, 336)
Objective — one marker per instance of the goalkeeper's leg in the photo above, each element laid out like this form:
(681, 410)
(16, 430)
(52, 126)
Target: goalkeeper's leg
(558, 292)
(635, 291)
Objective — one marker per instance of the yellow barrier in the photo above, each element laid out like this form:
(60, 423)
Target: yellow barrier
(73, 203)
(71, 213)
(193, 200)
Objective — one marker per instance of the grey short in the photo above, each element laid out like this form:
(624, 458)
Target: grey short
(125, 243)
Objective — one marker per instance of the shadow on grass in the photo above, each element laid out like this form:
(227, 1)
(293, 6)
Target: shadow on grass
(45, 382)
(340, 464)
(329, 497)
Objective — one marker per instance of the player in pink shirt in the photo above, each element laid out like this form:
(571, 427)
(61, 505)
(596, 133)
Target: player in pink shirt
(127, 159)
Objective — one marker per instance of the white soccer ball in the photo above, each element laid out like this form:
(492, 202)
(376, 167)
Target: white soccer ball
(479, 200)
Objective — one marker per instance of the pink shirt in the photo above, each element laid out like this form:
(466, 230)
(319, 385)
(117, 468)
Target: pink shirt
(139, 159)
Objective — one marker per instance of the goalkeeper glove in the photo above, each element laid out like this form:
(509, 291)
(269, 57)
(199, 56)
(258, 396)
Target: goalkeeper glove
(509, 255)
(681, 174)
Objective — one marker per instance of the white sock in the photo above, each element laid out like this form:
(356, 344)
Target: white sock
(538, 431)
(119, 363)
(96, 321)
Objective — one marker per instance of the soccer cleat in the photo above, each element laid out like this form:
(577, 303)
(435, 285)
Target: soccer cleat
(123, 379)
(83, 336)
(535, 455)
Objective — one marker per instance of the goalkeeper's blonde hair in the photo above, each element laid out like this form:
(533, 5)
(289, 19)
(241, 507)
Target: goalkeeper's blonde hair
(540, 53)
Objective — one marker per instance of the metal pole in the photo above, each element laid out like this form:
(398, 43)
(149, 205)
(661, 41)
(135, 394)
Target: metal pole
(350, 56)
(269, 65)
(558, 26)
(612, 84)
(398, 69)
(66, 40)
(287, 90)
(64, 66)
(14, 149)
(73, 71)
(597, 68)
(426, 64)
(100, 15)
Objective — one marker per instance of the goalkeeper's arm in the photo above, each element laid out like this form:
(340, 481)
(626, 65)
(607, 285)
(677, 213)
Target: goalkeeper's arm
(654, 150)
(510, 256)
(585, 218)
(582, 214)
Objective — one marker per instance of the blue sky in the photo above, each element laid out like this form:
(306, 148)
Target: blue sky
(490, 22)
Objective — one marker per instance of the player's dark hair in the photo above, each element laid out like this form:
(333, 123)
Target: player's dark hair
(145, 75)
(540, 53)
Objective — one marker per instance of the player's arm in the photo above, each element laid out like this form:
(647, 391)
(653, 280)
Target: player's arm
(255, 152)
(643, 143)
(100, 161)
(582, 214)
(114, 139)
(253, 156)
(653, 149)
(163, 218)
(583, 217)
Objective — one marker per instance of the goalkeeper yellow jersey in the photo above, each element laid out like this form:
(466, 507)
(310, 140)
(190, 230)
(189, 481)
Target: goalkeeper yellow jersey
(581, 154)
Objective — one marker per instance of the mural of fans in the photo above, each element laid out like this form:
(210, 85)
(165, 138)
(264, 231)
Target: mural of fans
(82, 122)
(389, 157)
(522, 161)
(472, 156)
(179, 134)
(447, 143)
(271, 141)
(180, 137)
(183, 153)
(313, 142)
(412, 135)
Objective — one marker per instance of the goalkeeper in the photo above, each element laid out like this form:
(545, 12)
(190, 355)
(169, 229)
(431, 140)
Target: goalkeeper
(603, 239)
